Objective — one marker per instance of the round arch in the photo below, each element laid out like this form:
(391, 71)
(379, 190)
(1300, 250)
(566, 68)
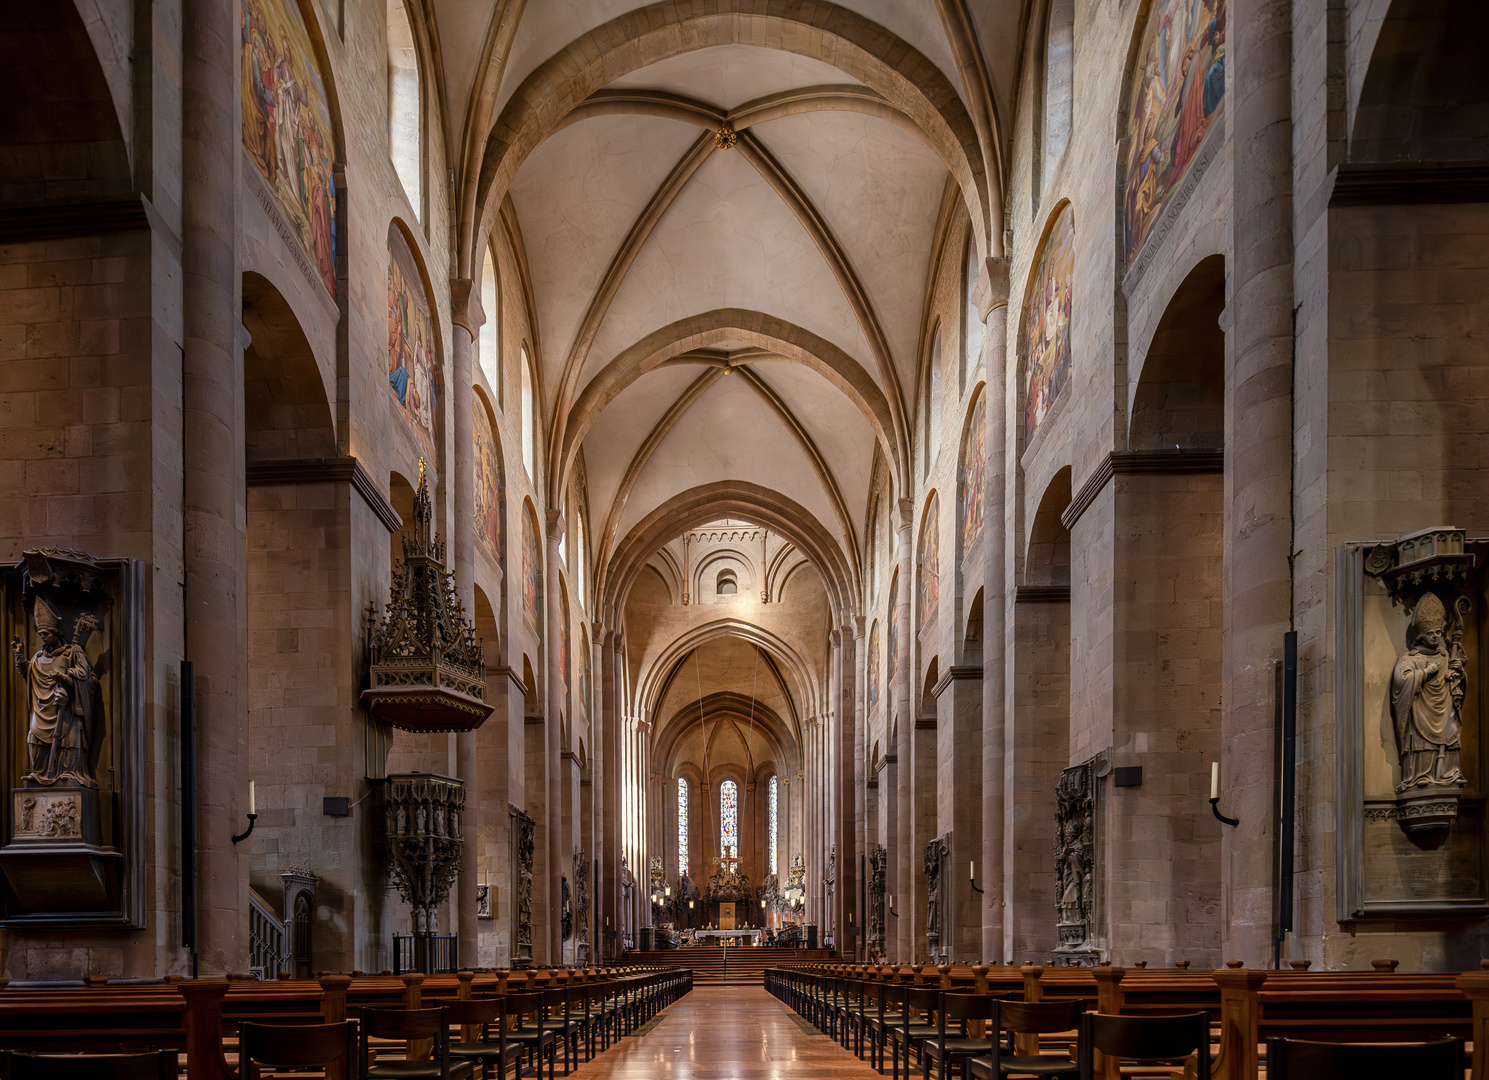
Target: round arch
(727, 498)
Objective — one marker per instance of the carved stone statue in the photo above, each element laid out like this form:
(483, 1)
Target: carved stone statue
(581, 897)
(63, 701)
(1428, 685)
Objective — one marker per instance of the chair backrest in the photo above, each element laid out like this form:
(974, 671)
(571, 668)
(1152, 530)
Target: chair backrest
(1037, 1017)
(520, 1005)
(968, 1006)
(921, 1000)
(1146, 1038)
(155, 1065)
(403, 1023)
(477, 1011)
(1301, 1060)
(296, 1046)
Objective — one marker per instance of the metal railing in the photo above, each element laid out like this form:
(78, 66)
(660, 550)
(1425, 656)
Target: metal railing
(430, 953)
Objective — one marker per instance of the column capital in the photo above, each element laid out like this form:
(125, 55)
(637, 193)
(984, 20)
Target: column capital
(465, 306)
(992, 286)
(555, 523)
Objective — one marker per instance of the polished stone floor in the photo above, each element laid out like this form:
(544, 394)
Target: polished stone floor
(727, 1032)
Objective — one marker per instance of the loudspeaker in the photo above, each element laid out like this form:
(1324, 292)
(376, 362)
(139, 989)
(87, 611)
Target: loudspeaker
(811, 935)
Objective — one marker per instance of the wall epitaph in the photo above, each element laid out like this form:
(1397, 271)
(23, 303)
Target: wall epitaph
(878, 861)
(936, 928)
(525, 839)
(1075, 876)
(581, 904)
(74, 702)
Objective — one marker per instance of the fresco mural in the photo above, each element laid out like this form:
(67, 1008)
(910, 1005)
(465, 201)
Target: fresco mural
(928, 559)
(874, 666)
(974, 474)
(1178, 87)
(413, 368)
(488, 482)
(894, 625)
(1044, 347)
(530, 571)
(287, 126)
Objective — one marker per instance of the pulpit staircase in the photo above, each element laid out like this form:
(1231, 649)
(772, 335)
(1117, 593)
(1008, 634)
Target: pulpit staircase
(739, 965)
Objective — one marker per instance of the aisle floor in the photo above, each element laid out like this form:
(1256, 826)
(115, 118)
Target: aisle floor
(723, 1033)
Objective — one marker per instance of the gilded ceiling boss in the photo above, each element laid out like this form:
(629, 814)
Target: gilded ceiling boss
(63, 700)
(1427, 688)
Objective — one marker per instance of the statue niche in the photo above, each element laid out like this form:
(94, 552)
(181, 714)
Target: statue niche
(1075, 867)
(1429, 577)
(74, 708)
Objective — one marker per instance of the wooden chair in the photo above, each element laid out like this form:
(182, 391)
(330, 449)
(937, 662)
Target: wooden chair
(957, 1048)
(412, 1026)
(908, 1033)
(1027, 1018)
(1146, 1038)
(155, 1065)
(485, 1051)
(532, 1037)
(1436, 1060)
(295, 1046)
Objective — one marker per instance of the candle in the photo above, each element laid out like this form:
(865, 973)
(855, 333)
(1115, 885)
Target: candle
(251, 810)
(1214, 779)
(972, 871)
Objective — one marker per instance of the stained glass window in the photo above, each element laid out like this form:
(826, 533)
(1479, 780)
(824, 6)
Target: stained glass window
(682, 826)
(773, 795)
(729, 819)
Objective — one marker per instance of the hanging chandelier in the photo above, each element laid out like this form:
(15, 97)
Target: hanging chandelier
(427, 670)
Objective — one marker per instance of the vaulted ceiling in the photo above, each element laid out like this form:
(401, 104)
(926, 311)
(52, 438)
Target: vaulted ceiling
(705, 312)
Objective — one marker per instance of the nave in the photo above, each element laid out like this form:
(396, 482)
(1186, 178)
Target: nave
(736, 1032)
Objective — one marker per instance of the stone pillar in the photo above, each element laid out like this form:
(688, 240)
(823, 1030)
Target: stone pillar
(845, 795)
(213, 484)
(553, 802)
(467, 317)
(1259, 462)
(902, 858)
(608, 780)
(992, 305)
(858, 824)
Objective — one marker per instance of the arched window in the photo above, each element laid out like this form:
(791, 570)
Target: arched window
(529, 436)
(1059, 91)
(487, 351)
(726, 584)
(971, 320)
(771, 816)
(729, 820)
(581, 557)
(405, 104)
(933, 405)
(682, 826)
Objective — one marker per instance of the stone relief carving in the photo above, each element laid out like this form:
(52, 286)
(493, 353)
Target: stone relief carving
(64, 707)
(878, 861)
(1427, 575)
(1074, 858)
(526, 845)
(581, 896)
(935, 857)
(1427, 689)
